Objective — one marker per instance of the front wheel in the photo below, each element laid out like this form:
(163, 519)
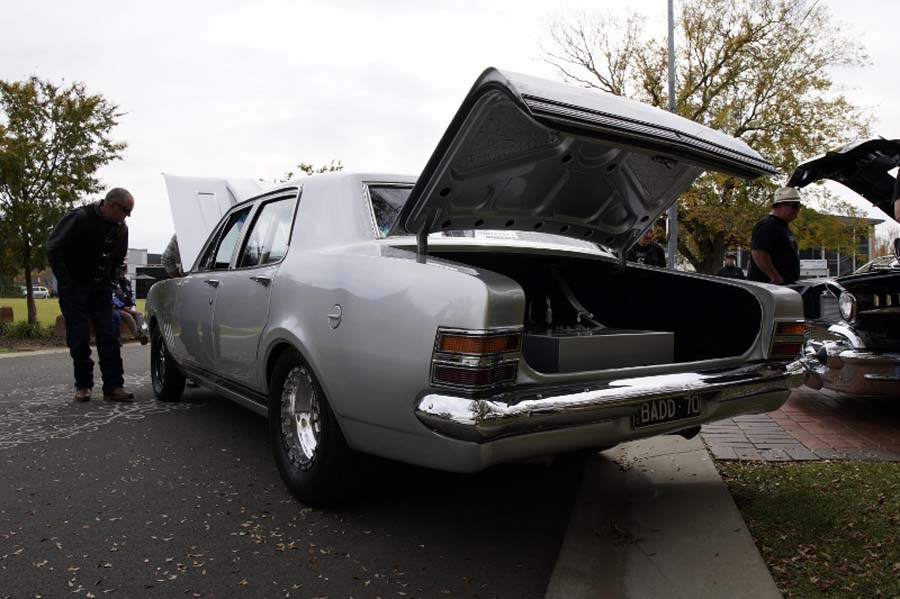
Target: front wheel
(310, 451)
(167, 379)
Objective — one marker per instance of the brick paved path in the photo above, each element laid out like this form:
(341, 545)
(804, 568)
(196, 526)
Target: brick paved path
(812, 425)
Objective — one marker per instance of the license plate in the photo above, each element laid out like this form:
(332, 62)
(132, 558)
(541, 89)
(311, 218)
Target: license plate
(660, 411)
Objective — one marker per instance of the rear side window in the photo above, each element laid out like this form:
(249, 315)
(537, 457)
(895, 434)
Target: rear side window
(221, 258)
(270, 236)
(387, 201)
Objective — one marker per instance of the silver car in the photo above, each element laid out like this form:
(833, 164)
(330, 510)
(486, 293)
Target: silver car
(482, 312)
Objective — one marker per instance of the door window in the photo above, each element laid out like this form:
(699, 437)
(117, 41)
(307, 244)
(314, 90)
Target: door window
(270, 236)
(221, 258)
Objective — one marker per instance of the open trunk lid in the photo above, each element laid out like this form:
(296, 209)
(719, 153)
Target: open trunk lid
(863, 166)
(528, 154)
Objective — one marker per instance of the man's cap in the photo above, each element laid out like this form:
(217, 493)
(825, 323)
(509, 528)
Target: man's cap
(733, 256)
(787, 194)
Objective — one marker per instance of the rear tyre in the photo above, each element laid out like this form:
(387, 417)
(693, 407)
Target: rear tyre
(312, 456)
(167, 379)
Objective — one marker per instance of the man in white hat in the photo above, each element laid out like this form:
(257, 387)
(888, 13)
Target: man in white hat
(774, 256)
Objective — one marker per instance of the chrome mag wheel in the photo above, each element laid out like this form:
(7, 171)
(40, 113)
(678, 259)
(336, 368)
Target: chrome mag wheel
(300, 418)
(160, 365)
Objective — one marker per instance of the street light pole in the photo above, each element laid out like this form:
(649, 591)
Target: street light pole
(673, 210)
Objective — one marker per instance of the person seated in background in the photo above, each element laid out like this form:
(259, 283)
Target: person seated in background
(731, 270)
(125, 308)
(171, 259)
(647, 251)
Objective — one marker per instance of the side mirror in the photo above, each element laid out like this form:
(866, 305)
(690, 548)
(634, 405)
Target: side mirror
(897, 248)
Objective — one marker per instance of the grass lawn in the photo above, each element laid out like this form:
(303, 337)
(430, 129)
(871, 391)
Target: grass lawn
(47, 309)
(825, 529)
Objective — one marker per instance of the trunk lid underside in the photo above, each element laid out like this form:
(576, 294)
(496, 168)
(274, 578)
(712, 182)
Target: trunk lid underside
(527, 154)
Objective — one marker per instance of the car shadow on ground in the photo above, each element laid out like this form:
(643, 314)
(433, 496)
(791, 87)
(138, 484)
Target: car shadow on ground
(385, 484)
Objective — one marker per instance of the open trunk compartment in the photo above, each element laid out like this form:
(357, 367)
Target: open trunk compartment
(640, 316)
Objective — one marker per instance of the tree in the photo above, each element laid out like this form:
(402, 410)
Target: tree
(53, 140)
(818, 229)
(308, 169)
(755, 69)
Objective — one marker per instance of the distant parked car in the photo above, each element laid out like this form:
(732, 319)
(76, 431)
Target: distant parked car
(482, 312)
(37, 292)
(884, 263)
(853, 342)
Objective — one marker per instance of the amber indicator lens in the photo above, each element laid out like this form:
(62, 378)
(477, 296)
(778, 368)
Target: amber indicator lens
(787, 349)
(464, 344)
(797, 329)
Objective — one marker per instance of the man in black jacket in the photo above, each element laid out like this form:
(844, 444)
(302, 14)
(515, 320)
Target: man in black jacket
(731, 270)
(84, 250)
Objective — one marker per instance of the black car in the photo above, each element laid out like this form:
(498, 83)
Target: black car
(853, 337)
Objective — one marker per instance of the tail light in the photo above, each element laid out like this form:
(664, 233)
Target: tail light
(477, 360)
(787, 341)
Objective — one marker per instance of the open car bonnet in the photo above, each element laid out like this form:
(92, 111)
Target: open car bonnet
(862, 166)
(198, 203)
(528, 154)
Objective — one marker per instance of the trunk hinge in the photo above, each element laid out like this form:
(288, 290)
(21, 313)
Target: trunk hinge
(422, 237)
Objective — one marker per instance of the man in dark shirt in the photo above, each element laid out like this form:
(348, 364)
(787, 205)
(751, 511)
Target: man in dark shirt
(84, 250)
(897, 199)
(647, 251)
(731, 270)
(774, 256)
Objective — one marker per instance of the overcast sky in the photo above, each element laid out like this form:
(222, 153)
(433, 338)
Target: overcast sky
(249, 89)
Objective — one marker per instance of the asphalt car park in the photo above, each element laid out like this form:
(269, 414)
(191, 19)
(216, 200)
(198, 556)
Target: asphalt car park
(159, 500)
(156, 499)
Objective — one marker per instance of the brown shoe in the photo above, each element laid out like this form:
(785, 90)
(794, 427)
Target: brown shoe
(144, 339)
(82, 395)
(118, 394)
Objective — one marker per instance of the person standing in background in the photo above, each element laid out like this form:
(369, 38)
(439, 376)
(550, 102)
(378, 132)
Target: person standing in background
(731, 270)
(774, 255)
(84, 250)
(647, 251)
(171, 259)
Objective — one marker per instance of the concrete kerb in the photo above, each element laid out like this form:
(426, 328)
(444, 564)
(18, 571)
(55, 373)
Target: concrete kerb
(653, 518)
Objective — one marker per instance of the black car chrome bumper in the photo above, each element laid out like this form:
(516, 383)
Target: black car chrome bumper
(753, 387)
(838, 367)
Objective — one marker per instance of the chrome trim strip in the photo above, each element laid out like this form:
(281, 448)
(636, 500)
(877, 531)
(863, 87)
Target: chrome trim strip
(533, 410)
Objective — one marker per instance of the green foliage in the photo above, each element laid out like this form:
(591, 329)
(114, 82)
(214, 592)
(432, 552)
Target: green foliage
(816, 229)
(25, 330)
(755, 69)
(308, 169)
(53, 140)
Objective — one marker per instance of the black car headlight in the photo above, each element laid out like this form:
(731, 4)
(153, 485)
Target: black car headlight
(847, 305)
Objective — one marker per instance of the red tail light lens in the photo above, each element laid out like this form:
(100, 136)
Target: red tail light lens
(787, 349)
(475, 378)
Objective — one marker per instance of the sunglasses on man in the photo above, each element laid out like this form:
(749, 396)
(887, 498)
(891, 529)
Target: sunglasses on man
(126, 211)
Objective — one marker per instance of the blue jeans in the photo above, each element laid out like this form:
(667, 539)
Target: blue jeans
(81, 305)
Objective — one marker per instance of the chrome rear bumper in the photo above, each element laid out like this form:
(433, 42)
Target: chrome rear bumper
(762, 386)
